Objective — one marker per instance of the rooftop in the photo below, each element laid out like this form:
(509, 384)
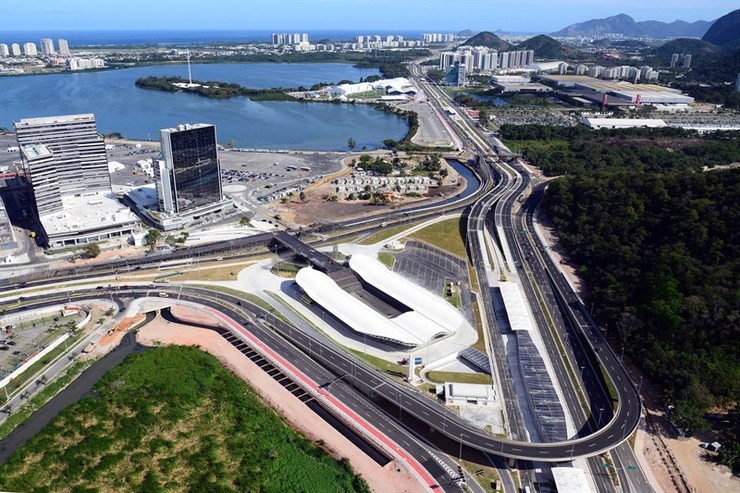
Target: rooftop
(55, 119)
(570, 480)
(92, 211)
(32, 151)
(516, 307)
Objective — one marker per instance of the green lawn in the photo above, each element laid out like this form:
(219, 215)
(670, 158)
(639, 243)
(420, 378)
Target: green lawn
(459, 377)
(173, 419)
(387, 259)
(445, 235)
(386, 233)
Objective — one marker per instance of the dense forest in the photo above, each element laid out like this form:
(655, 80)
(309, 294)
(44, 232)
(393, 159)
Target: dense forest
(567, 150)
(213, 89)
(658, 243)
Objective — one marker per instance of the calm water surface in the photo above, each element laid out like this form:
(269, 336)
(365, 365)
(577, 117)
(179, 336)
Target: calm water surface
(137, 113)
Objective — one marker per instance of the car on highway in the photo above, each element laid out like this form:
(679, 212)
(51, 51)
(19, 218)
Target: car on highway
(11, 343)
(163, 295)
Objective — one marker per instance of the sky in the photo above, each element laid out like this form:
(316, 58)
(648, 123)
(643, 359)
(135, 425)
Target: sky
(407, 15)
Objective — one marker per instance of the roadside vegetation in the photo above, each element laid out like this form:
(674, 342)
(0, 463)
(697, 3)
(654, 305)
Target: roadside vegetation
(174, 419)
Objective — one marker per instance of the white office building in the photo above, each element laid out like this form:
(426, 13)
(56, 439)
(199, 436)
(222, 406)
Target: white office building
(15, 49)
(65, 163)
(4, 51)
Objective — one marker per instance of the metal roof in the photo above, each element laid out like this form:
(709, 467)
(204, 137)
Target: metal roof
(409, 329)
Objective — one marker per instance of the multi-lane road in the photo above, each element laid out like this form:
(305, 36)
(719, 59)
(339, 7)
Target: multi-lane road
(501, 186)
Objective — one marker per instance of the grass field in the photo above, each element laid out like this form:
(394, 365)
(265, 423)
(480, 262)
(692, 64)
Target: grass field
(460, 377)
(445, 235)
(222, 273)
(386, 233)
(387, 259)
(173, 419)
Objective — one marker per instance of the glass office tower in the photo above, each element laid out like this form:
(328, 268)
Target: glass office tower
(189, 177)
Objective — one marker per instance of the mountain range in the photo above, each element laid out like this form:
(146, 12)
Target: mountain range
(627, 26)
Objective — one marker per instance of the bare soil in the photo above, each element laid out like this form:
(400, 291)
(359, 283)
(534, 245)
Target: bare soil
(314, 208)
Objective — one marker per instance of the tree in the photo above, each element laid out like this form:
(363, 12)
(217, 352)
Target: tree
(302, 196)
(244, 221)
(351, 144)
(152, 237)
(483, 116)
(390, 144)
(91, 250)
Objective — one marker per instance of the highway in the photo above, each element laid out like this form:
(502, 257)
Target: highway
(501, 186)
(631, 478)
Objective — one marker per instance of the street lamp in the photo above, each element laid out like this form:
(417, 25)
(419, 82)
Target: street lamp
(601, 409)
(461, 443)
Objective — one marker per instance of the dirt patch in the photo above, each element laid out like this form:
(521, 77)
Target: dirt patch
(315, 207)
(380, 479)
(113, 337)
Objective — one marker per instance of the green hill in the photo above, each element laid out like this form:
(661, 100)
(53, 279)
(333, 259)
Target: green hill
(725, 30)
(489, 40)
(546, 47)
(697, 48)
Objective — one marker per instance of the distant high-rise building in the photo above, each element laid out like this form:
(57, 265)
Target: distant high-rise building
(737, 83)
(4, 51)
(674, 60)
(47, 46)
(78, 163)
(304, 38)
(296, 38)
(29, 49)
(581, 69)
(687, 61)
(189, 177)
(64, 47)
(15, 49)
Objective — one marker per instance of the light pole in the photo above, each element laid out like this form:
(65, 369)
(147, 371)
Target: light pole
(460, 455)
(601, 409)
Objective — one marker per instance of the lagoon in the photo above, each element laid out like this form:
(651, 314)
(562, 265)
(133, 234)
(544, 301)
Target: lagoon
(137, 113)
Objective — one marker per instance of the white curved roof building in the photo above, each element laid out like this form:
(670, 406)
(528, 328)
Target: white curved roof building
(407, 292)
(429, 318)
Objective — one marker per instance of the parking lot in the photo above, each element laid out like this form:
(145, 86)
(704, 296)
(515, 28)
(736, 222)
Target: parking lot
(430, 267)
(30, 335)
(261, 173)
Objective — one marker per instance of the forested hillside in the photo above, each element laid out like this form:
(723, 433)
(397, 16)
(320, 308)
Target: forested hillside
(657, 242)
(660, 254)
